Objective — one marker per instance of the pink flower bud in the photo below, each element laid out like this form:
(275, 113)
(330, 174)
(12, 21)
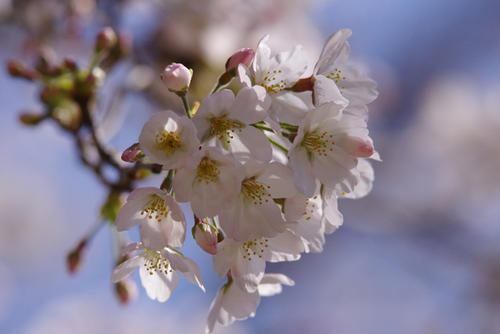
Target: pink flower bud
(16, 69)
(106, 39)
(243, 56)
(177, 77)
(126, 291)
(31, 119)
(132, 154)
(205, 235)
(74, 258)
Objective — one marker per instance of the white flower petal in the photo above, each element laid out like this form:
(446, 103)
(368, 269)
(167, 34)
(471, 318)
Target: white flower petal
(270, 284)
(187, 267)
(326, 91)
(226, 253)
(280, 180)
(335, 49)
(251, 105)
(158, 286)
(285, 246)
(126, 268)
(247, 272)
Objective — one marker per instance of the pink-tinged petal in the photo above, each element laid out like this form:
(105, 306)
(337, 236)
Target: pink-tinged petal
(158, 286)
(271, 284)
(357, 147)
(326, 91)
(242, 56)
(251, 105)
(187, 267)
(126, 268)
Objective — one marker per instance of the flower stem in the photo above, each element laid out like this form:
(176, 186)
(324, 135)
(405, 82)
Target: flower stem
(216, 87)
(186, 105)
(278, 145)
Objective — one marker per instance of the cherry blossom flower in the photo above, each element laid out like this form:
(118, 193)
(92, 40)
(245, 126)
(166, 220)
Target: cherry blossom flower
(253, 212)
(247, 259)
(224, 120)
(158, 270)
(335, 77)
(167, 139)
(326, 148)
(209, 180)
(233, 303)
(161, 219)
(276, 73)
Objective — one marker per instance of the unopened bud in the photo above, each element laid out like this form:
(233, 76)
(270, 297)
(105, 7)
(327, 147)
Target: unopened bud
(31, 119)
(133, 153)
(45, 60)
(68, 114)
(74, 258)
(126, 291)
(51, 96)
(177, 77)
(18, 70)
(70, 64)
(123, 46)
(106, 39)
(205, 235)
(243, 56)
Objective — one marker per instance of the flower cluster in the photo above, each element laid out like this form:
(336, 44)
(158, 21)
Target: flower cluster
(262, 170)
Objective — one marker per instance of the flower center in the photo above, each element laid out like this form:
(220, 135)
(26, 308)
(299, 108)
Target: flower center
(310, 208)
(257, 193)
(207, 171)
(319, 143)
(336, 75)
(155, 209)
(254, 248)
(272, 84)
(168, 141)
(154, 262)
(223, 128)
